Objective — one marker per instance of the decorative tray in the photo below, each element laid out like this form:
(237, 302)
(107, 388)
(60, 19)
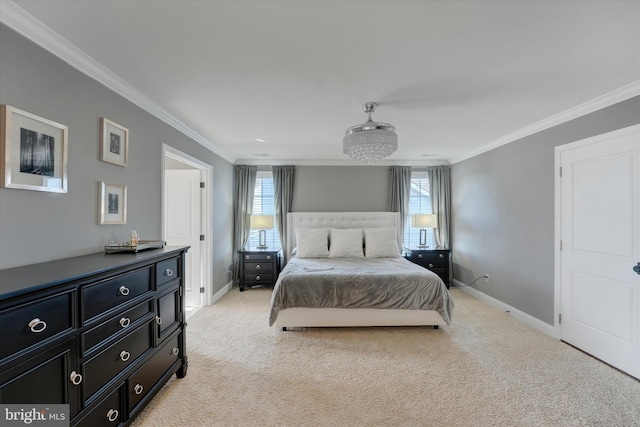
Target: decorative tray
(128, 247)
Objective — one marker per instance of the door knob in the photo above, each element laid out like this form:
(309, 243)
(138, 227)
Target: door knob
(636, 268)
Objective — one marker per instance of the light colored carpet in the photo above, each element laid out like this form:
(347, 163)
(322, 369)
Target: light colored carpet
(486, 369)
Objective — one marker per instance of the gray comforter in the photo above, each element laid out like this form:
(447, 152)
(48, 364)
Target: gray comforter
(359, 283)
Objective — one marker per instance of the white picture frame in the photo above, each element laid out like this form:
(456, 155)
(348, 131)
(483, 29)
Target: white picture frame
(112, 203)
(33, 152)
(114, 143)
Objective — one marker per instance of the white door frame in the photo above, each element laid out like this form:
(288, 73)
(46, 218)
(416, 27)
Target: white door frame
(206, 173)
(558, 212)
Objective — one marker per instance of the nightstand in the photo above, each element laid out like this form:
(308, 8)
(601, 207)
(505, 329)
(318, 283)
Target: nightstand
(436, 260)
(258, 267)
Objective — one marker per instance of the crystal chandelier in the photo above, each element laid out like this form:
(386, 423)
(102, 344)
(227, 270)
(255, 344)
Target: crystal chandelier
(370, 141)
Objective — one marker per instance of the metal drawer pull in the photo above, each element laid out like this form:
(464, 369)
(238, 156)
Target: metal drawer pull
(37, 325)
(420, 256)
(124, 355)
(75, 378)
(175, 351)
(123, 290)
(124, 322)
(431, 265)
(246, 257)
(158, 320)
(257, 277)
(441, 256)
(112, 415)
(168, 272)
(257, 266)
(138, 389)
(268, 256)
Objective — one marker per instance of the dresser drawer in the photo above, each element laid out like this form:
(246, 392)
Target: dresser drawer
(167, 271)
(122, 354)
(257, 257)
(114, 326)
(101, 297)
(107, 413)
(34, 322)
(146, 377)
(256, 278)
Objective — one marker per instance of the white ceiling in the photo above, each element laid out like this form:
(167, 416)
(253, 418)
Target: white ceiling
(454, 77)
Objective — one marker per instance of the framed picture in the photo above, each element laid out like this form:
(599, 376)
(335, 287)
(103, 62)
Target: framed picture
(112, 203)
(33, 152)
(114, 143)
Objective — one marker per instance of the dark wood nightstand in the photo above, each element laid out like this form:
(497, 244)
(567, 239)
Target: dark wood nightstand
(436, 260)
(258, 267)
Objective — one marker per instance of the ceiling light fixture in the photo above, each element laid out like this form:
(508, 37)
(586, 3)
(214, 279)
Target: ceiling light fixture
(370, 141)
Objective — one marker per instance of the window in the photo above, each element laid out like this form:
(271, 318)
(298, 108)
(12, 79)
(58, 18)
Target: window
(263, 198)
(419, 203)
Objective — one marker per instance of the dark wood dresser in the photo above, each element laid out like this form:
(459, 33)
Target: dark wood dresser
(258, 267)
(436, 260)
(101, 333)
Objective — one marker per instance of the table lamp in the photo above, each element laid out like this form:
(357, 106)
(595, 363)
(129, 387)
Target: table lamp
(424, 221)
(261, 222)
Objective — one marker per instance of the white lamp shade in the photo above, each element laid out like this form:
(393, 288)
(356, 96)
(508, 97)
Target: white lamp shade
(424, 221)
(261, 222)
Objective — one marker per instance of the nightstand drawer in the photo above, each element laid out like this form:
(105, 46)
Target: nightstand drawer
(256, 257)
(254, 278)
(258, 267)
(429, 261)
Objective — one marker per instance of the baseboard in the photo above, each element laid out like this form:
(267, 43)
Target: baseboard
(518, 314)
(226, 288)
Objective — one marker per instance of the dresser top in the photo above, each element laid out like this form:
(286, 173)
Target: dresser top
(30, 278)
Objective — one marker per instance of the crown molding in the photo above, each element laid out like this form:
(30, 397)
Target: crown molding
(33, 29)
(346, 162)
(606, 100)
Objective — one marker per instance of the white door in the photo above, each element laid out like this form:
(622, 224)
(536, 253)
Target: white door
(183, 224)
(600, 234)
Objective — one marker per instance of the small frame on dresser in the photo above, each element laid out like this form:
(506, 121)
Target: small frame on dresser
(33, 152)
(112, 203)
(114, 143)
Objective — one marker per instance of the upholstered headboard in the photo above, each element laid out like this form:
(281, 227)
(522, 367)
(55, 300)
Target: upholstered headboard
(339, 220)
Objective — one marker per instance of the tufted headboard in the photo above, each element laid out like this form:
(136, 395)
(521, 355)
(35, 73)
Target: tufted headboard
(338, 220)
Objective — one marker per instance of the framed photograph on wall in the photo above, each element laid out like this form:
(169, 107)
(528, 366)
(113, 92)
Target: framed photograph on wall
(114, 143)
(112, 203)
(33, 152)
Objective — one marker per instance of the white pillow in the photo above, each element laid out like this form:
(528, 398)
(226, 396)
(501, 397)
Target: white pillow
(346, 243)
(312, 242)
(381, 242)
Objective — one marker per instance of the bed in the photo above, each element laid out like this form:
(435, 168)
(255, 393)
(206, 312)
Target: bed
(344, 285)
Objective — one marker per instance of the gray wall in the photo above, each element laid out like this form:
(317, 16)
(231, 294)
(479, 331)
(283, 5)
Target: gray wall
(341, 189)
(38, 226)
(503, 211)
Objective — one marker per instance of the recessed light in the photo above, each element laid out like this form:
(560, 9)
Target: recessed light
(262, 140)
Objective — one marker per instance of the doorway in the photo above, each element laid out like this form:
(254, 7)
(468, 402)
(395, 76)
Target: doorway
(598, 254)
(186, 219)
